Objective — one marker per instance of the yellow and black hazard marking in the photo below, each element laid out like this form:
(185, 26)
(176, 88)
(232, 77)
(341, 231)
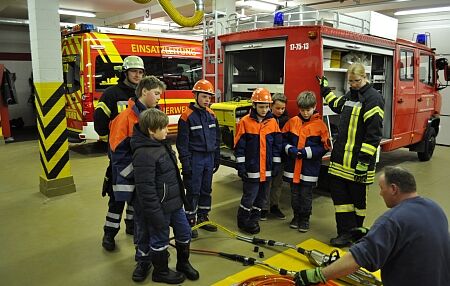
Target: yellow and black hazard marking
(51, 119)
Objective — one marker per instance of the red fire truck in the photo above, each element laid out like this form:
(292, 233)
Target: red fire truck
(92, 58)
(288, 58)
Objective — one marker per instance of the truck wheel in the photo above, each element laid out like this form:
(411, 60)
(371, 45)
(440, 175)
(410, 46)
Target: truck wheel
(430, 143)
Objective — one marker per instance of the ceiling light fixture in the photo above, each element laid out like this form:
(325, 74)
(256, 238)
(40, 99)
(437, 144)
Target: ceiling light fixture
(76, 13)
(257, 5)
(423, 11)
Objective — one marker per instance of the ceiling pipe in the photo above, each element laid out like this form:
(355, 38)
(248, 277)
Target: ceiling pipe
(176, 16)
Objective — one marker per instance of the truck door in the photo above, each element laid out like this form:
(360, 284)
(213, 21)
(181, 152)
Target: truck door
(405, 97)
(72, 87)
(425, 94)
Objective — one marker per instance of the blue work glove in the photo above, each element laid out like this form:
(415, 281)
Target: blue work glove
(293, 152)
(324, 89)
(309, 277)
(358, 233)
(301, 154)
(361, 172)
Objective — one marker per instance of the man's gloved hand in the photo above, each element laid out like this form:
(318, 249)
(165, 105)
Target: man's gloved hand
(309, 277)
(323, 82)
(216, 167)
(361, 172)
(293, 152)
(242, 174)
(358, 232)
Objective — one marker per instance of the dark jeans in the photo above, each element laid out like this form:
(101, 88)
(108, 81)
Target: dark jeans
(301, 199)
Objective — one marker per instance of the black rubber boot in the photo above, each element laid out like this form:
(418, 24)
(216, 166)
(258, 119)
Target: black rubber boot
(141, 271)
(242, 218)
(342, 240)
(245, 223)
(162, 272)
(129, 226)
(183, 264)
(108, 242)
(209, 227)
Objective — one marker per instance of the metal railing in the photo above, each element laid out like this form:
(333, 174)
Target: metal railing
(298, 16)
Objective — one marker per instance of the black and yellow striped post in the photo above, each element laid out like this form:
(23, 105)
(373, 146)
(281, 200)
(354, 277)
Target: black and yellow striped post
(55, 178)
(45, 40)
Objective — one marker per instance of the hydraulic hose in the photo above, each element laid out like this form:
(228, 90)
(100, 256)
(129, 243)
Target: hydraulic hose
(315, 257)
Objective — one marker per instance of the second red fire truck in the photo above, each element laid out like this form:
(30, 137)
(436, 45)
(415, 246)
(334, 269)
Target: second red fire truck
(288, 58)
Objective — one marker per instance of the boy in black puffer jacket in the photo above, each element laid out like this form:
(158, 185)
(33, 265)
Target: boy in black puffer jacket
(160, 197)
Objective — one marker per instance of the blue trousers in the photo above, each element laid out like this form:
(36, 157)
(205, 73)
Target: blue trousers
(198, 186)
(301, 199)
(253, 200)
(157, 239)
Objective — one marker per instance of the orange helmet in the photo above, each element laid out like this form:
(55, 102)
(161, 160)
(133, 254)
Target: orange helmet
(203, 86)
(261, 95)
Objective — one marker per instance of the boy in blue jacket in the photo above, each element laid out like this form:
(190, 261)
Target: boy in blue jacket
(257, 147)
(198, 143)
(305, 141)
(160, 198)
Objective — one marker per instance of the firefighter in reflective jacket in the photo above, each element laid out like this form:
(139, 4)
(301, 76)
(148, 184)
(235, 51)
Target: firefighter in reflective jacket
(257, 146)
(352, 163)
(198, 143)
(112, 102)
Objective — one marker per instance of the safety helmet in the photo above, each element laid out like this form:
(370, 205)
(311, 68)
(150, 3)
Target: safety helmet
(261, 95)
(204, 86)
(133, 62)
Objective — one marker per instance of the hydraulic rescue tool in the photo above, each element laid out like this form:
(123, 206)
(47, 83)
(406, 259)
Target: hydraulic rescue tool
(315, 257)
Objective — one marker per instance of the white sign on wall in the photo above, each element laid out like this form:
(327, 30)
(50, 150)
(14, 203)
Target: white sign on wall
(147, 15)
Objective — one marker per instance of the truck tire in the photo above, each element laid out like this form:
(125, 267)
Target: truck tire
(430, 143)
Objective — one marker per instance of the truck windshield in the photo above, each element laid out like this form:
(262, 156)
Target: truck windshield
(181, 74)
(175, 72)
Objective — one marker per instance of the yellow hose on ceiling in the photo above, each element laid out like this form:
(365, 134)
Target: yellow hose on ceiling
(176, 16)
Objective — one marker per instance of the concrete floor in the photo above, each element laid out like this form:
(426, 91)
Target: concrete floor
(57, 241)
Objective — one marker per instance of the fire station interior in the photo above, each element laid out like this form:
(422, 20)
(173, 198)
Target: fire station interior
(57, 240)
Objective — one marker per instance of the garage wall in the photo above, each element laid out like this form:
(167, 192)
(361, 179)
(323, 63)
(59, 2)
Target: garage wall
(439, 28)
(15, 54)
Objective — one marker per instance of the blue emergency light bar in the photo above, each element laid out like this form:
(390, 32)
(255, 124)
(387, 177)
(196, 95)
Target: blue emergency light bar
(80, 28)
(422, 39)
